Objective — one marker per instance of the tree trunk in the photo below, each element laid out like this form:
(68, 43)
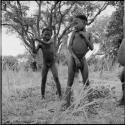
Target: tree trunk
(124, 22)
(121, 53)
(34, 66)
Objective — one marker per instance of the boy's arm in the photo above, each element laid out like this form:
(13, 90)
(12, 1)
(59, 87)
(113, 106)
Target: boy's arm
(41, 41)
(88, 41)
(91, 42)
(70, 46)
(36, 49)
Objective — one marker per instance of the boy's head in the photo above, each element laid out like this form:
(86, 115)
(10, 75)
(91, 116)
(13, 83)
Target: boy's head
(47, 33)
(80, 21)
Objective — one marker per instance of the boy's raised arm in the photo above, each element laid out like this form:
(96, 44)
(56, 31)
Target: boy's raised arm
(41, 41)
(36, 49)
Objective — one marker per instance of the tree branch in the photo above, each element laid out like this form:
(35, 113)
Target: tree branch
(38, 18)
(6, 24)
(20, 25)
(51, 13)
(64, 31)
(26, 42)
(124, 22)
(99, 11)
(22, 35)
(61, 18)
(19, 5)
(37, 2)
(67, 28)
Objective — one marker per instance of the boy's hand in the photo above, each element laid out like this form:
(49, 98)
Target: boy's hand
(78, 63)
(83, 34)
(34, 51)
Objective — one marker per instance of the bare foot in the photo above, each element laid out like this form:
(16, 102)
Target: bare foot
(42, 98)
(64, 106)
(122, 102)
(60, 98)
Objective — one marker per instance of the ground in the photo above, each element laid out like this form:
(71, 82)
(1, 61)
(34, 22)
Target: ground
(21, 99)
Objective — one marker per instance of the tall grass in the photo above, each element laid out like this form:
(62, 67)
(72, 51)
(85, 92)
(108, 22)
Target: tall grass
(21, 99)
(82, 107)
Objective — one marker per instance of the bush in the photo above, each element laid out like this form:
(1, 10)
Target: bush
(10, 62)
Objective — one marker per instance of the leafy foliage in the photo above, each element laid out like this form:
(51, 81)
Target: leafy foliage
(9, 62)
(109, 31)
(114, 31)
(115, 26)
(99, 26)
(55, 14)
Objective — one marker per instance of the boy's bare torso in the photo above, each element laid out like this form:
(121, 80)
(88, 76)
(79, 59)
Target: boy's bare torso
(79, 45)
(48, 52)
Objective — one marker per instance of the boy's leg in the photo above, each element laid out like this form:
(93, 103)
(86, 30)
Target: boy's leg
(44, 77)
(122, 78)
(84, 71)
(56, 79)
(71, 74)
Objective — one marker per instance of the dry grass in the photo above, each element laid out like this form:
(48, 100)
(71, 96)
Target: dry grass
(21, 99)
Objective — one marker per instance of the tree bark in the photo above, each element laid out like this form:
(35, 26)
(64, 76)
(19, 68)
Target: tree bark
(121, 52)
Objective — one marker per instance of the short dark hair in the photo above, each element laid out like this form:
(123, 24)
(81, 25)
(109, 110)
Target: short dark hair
(47, 29)
(82, 17)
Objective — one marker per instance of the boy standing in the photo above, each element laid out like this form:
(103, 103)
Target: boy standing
(48, 49)
(79, 44)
